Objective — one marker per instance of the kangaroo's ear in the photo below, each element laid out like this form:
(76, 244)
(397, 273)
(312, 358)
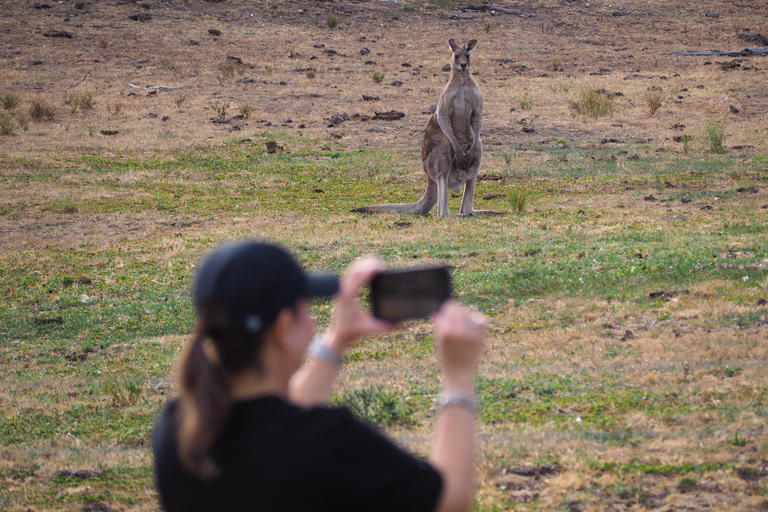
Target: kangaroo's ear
(470, 45)
(455, 47)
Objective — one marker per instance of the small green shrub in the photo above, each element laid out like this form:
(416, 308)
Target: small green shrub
(594, 102)
(179, 101)
(331, 21)
(518, 199)
(526, 102)
(737, 440)
(10, 101)
(714, 136)
(408, 7)
(221, 110)
(145, 4)
(378, 76)
(311, 74)
(488, 27)
(7, 127)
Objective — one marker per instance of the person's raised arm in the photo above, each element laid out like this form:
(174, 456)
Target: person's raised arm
(313, 384)
(460, 336)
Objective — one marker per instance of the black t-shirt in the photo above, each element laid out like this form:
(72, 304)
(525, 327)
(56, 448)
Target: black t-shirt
(274, 456)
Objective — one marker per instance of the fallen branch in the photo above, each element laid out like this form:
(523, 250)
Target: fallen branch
(495, 8)
(746, 52)
(81, 81)
(156, 87)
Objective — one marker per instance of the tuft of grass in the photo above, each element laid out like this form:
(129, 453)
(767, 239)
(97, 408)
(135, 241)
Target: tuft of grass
(331, 21)
(115, 108)
(377, 76)
(221, 110)
(41, 111)
(713, 136)
(488, 27)
(245, 110)
(594, 102)
(7, 126)
(179, 101)
(83, 100)
(518, 199)
(23, 122)
(228, 69)
(686, 483)
(146, 4)
(375, 406)
(408, 7)
(10, 101)
(526, 102)
(737, 440)
(311, 74)
(123, 393)
(653, 98)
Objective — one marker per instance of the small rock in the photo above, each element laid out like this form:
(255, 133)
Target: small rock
(365, 51)
(370, 63)
(529, 129)
(431, 110)
(685, 200)
(712, 15)
(151, 115)
(214, 32)
(650, 198)
(396, 83)
(406, 64)
(109, 132)
(734, 109)
(370, 98)
(273, 147)
(140, 16)
(415, 72)
(330, 51)
(58, 33)
(165, 118)
(194, 42)
(447, 67)
(319, 45)
(392, 115)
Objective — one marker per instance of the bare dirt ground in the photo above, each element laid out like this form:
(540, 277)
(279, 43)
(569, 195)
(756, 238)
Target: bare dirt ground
(281, 60)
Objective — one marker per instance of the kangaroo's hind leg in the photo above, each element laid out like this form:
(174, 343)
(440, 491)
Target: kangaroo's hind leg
(469, 189)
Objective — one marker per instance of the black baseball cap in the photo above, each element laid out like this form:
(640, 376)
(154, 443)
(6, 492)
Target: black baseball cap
(252, 281)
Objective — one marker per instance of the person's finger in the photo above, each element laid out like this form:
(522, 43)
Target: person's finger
(359, 274)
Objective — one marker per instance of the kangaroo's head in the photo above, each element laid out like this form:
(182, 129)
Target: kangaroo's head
(460, 62)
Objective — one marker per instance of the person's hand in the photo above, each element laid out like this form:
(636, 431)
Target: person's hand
(348, 321)
(460, 335)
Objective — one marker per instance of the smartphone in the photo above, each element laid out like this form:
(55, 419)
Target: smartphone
(398, 295)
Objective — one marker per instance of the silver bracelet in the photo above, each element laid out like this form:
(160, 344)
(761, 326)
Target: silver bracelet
(319, 350)
(466, 400)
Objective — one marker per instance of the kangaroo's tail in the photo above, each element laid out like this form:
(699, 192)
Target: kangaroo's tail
(421, 207)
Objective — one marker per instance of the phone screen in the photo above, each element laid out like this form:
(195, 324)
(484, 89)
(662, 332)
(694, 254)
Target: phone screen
(413, 293)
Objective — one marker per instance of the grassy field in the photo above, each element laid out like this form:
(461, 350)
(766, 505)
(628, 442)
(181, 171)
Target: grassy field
(625, 283)
(626, 298)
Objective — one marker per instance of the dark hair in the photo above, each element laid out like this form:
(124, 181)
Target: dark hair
(239, 290)
(205, 400)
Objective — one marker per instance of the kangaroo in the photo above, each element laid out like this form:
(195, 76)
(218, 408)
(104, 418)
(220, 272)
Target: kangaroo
(451, 152)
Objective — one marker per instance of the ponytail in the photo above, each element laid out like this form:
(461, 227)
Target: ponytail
(204, 405)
